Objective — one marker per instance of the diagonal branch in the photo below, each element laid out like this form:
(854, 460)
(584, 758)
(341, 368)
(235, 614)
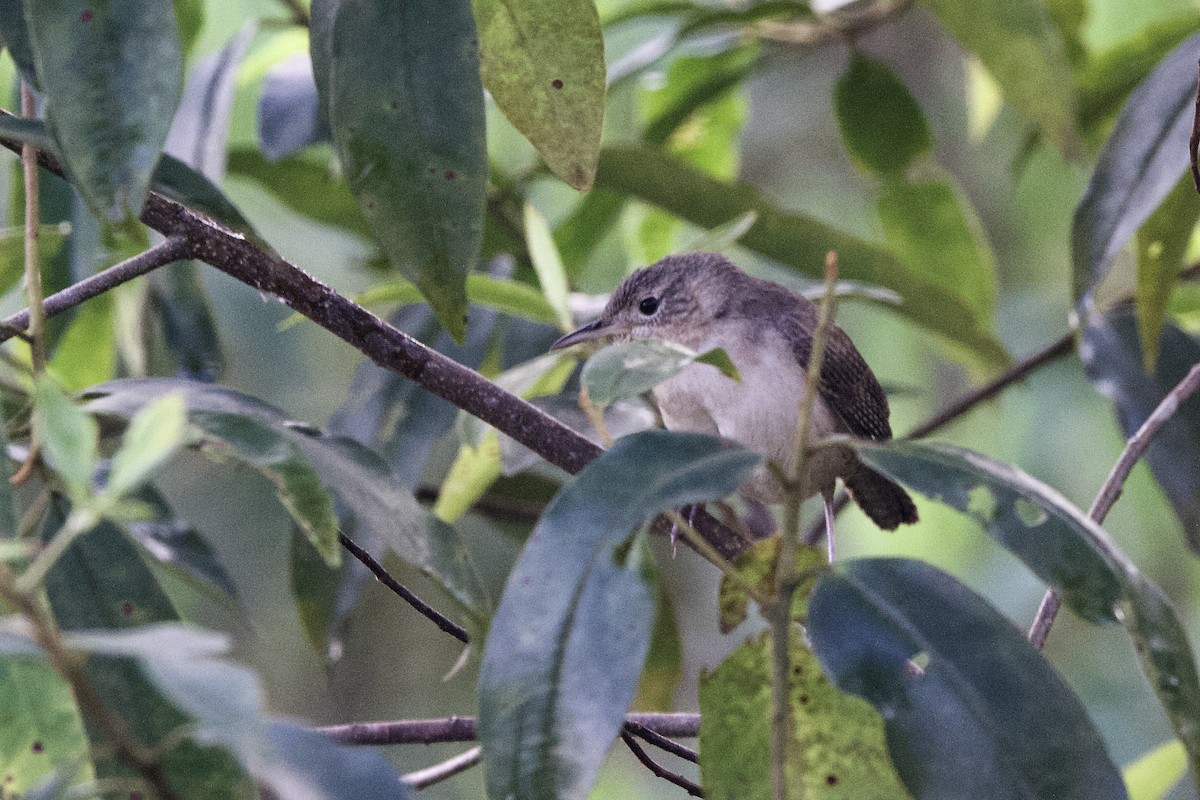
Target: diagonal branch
(463, 729)
(658, 770)
(1115, 483)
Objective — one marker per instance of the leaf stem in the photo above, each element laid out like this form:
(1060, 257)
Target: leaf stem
(788, 577)
(1113, 485)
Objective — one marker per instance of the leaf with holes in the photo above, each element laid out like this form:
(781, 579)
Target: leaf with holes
(970, 708)
(568, 641)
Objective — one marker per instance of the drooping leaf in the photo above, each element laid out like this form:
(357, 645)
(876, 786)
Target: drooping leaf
(543, 63)
(176, 545)
(793, 239)
(405, 103)
(881, 123)
(1024, 51)
(110, 130)
(970, 708)
(1112, 357)
(837, 750)
(69, 436)
(361, 482)
(627, 369)
(1141, 162)
(548, 265)
(101, 583)
(567, 644)
(1067, 550)
(1161, 244)
(314, 588)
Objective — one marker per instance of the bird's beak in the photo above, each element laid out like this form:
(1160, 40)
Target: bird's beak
(589, 332)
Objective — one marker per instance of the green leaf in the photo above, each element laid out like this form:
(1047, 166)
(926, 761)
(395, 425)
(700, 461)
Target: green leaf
(406, 106)
(69, 436)
(837, 750)
(176, 546)
(369, 495)
(664, 661)
(933, 229)
(1142, 161)
(1153, 775)
(15, 35)
(180, 301)
(111, 74)
(314, 589)
(1067, 550)
(723, 237)
(101, 583)
(582, 231)
(692, 83)
(543, 63)
(306, 183)
(1032, 520)
(1112, 357)
(568, 641)
(548, 265)
(154, 435)
(758, 565)
(1025, 53)
(970, 708)
(795, 240)
(190, 16)
(177, 181)
(1161, 244)
(881, 123)
(40, 726)
(627, 369)
(1069, 16)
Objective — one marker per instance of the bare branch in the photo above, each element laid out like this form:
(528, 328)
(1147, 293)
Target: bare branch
(463, 729)
(658, 769)
(424, 778)
(387, 579)
(1115, 483)
(662, 742)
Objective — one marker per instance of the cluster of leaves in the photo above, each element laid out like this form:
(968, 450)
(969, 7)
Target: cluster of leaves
(961, 703)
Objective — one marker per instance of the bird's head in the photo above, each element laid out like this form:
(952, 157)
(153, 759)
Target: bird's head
(673, 299)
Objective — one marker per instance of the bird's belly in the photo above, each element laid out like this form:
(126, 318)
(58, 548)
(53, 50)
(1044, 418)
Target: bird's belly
(759, 412)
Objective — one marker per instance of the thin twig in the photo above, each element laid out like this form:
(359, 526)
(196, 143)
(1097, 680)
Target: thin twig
(658, 769)
(424, 778)
(463, 729)
(1114, 484)
(1195, 140)
(787, 578)
(662, 742)
(173, 248)
(383, 576)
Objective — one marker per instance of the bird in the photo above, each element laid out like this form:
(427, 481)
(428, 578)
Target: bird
(703, 301)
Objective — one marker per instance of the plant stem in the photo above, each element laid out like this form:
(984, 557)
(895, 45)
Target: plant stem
(33, 271)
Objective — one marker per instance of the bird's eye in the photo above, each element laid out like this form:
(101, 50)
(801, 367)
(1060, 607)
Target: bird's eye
(648, 306)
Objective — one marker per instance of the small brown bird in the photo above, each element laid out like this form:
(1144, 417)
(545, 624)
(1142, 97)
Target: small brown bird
(702, 301)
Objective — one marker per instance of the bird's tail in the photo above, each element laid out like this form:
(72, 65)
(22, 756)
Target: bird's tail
(883, 500)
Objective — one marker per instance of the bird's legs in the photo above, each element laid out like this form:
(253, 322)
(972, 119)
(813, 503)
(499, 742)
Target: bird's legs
(829, 543)
(689, 514)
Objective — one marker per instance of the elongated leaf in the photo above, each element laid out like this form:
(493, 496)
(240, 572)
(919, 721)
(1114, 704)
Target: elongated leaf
(101, 583)
(70, 437)
(837, 749)
(1143, 159)
(546, 262)
(1024, 51)
(1153, 775)
(177, 546)
(563, 655)
(1068, 551)
(1112, 356)
(509, 297)
(581, 233)
(307, 184)
(793, 239)
(359, 479)
(627, 369)
(970, 708)
(314, 587)
(14, 32)
(881, 124)
(543, 63)
(1161, 244)
(406, 107)
(110, 131)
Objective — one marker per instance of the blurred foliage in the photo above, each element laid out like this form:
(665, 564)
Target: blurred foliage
(992, 176)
